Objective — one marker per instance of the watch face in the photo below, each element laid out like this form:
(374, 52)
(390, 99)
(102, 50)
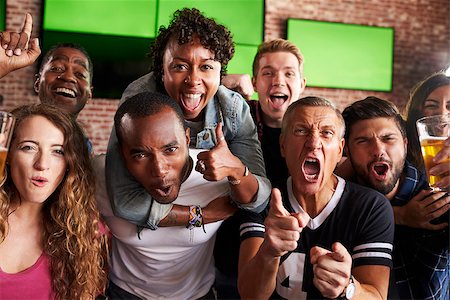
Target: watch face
(350, 291)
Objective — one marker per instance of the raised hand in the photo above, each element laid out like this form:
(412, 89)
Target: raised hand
(219, 162)
(332, 269)
(282, 228)
(18, 50)
(241, 83)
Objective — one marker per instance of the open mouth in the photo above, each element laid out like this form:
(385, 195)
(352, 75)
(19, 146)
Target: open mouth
(191, 101)
(311, 169)
(39, 181)
(65, 92)
(380, 170)
(163, 191)
(278, 100)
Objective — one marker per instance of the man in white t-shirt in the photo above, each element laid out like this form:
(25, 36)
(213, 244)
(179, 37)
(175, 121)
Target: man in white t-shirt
(172, 262)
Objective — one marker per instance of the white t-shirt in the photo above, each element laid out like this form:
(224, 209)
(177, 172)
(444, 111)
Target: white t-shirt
(170, 262)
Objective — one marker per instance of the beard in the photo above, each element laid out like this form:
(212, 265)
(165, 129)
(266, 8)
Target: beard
(385, 186)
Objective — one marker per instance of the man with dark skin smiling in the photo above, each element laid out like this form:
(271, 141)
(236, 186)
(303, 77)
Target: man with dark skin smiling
(65, 78)
(65, 74)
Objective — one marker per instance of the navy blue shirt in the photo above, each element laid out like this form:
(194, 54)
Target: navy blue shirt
(359, 218)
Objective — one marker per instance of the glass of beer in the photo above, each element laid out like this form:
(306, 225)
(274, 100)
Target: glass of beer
(6, 127)
(433, 131)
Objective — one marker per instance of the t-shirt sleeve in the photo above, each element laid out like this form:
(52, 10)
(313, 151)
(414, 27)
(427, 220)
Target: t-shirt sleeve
(251, 224)
(374, 242)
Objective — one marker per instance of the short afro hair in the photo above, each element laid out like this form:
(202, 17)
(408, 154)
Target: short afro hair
(186, 25)
(143, 105)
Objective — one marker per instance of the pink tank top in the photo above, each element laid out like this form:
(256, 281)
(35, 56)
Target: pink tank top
(32, 283)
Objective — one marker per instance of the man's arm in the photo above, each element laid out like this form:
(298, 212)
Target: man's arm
(18, 50)
(246, 147)
(372, 282)
(259, 257)
(216, 210)
(257, 270)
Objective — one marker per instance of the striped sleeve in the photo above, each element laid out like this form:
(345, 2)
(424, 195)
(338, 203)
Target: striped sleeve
(374, 244)
(251, 225)
(373, 251)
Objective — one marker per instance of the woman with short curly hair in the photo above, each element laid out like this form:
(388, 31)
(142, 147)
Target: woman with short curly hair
(50, 242)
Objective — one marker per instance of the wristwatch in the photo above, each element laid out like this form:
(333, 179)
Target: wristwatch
(349, 290)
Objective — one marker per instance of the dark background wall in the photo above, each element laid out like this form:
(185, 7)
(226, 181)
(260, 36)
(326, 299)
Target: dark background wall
(422, 46)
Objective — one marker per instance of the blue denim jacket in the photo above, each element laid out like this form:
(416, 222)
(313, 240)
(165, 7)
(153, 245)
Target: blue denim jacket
(131, 201)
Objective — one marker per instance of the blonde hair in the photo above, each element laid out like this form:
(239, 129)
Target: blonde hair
(71, 221)
(277, 45)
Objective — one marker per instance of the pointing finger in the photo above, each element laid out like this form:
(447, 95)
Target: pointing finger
(276, 204)
(340, 253)
(27, 27)
(317, 252)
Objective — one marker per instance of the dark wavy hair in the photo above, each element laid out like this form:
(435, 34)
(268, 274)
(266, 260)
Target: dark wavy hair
(71, 221)
(371, 108)
(187, 24)
(414, 111)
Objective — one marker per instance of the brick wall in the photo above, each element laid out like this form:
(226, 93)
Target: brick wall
(421, 47)
(421, 41)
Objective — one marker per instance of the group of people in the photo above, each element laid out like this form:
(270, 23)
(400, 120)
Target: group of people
(185, 188)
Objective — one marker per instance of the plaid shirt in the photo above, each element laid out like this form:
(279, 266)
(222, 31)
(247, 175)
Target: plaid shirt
(421, 257)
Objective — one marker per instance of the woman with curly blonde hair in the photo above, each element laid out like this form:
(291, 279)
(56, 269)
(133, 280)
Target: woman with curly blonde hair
(50, 242)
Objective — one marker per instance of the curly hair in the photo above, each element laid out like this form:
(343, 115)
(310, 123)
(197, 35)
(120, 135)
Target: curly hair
(186, 25)
(71, 221)
(414, 111)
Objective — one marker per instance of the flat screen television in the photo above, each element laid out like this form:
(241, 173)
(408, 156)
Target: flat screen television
(117, 34)
(345, 56)
(2, 15)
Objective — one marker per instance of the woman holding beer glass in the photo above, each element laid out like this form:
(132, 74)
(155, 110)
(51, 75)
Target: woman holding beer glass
(50, 245)
(430, 97)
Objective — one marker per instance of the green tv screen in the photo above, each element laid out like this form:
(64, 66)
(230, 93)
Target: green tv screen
(344, 56)
(117, 33)
(131, 18)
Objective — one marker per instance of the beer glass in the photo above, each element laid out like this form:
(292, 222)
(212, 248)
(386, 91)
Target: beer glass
(433, 131)
(6, 127)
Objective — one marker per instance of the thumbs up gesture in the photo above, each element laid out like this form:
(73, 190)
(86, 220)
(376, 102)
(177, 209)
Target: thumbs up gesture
(219, 162)
(282, 227)
(331, 269)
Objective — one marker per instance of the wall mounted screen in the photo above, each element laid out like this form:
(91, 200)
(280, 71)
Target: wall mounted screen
(117, 34)
(2, 15)
(344, 56)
